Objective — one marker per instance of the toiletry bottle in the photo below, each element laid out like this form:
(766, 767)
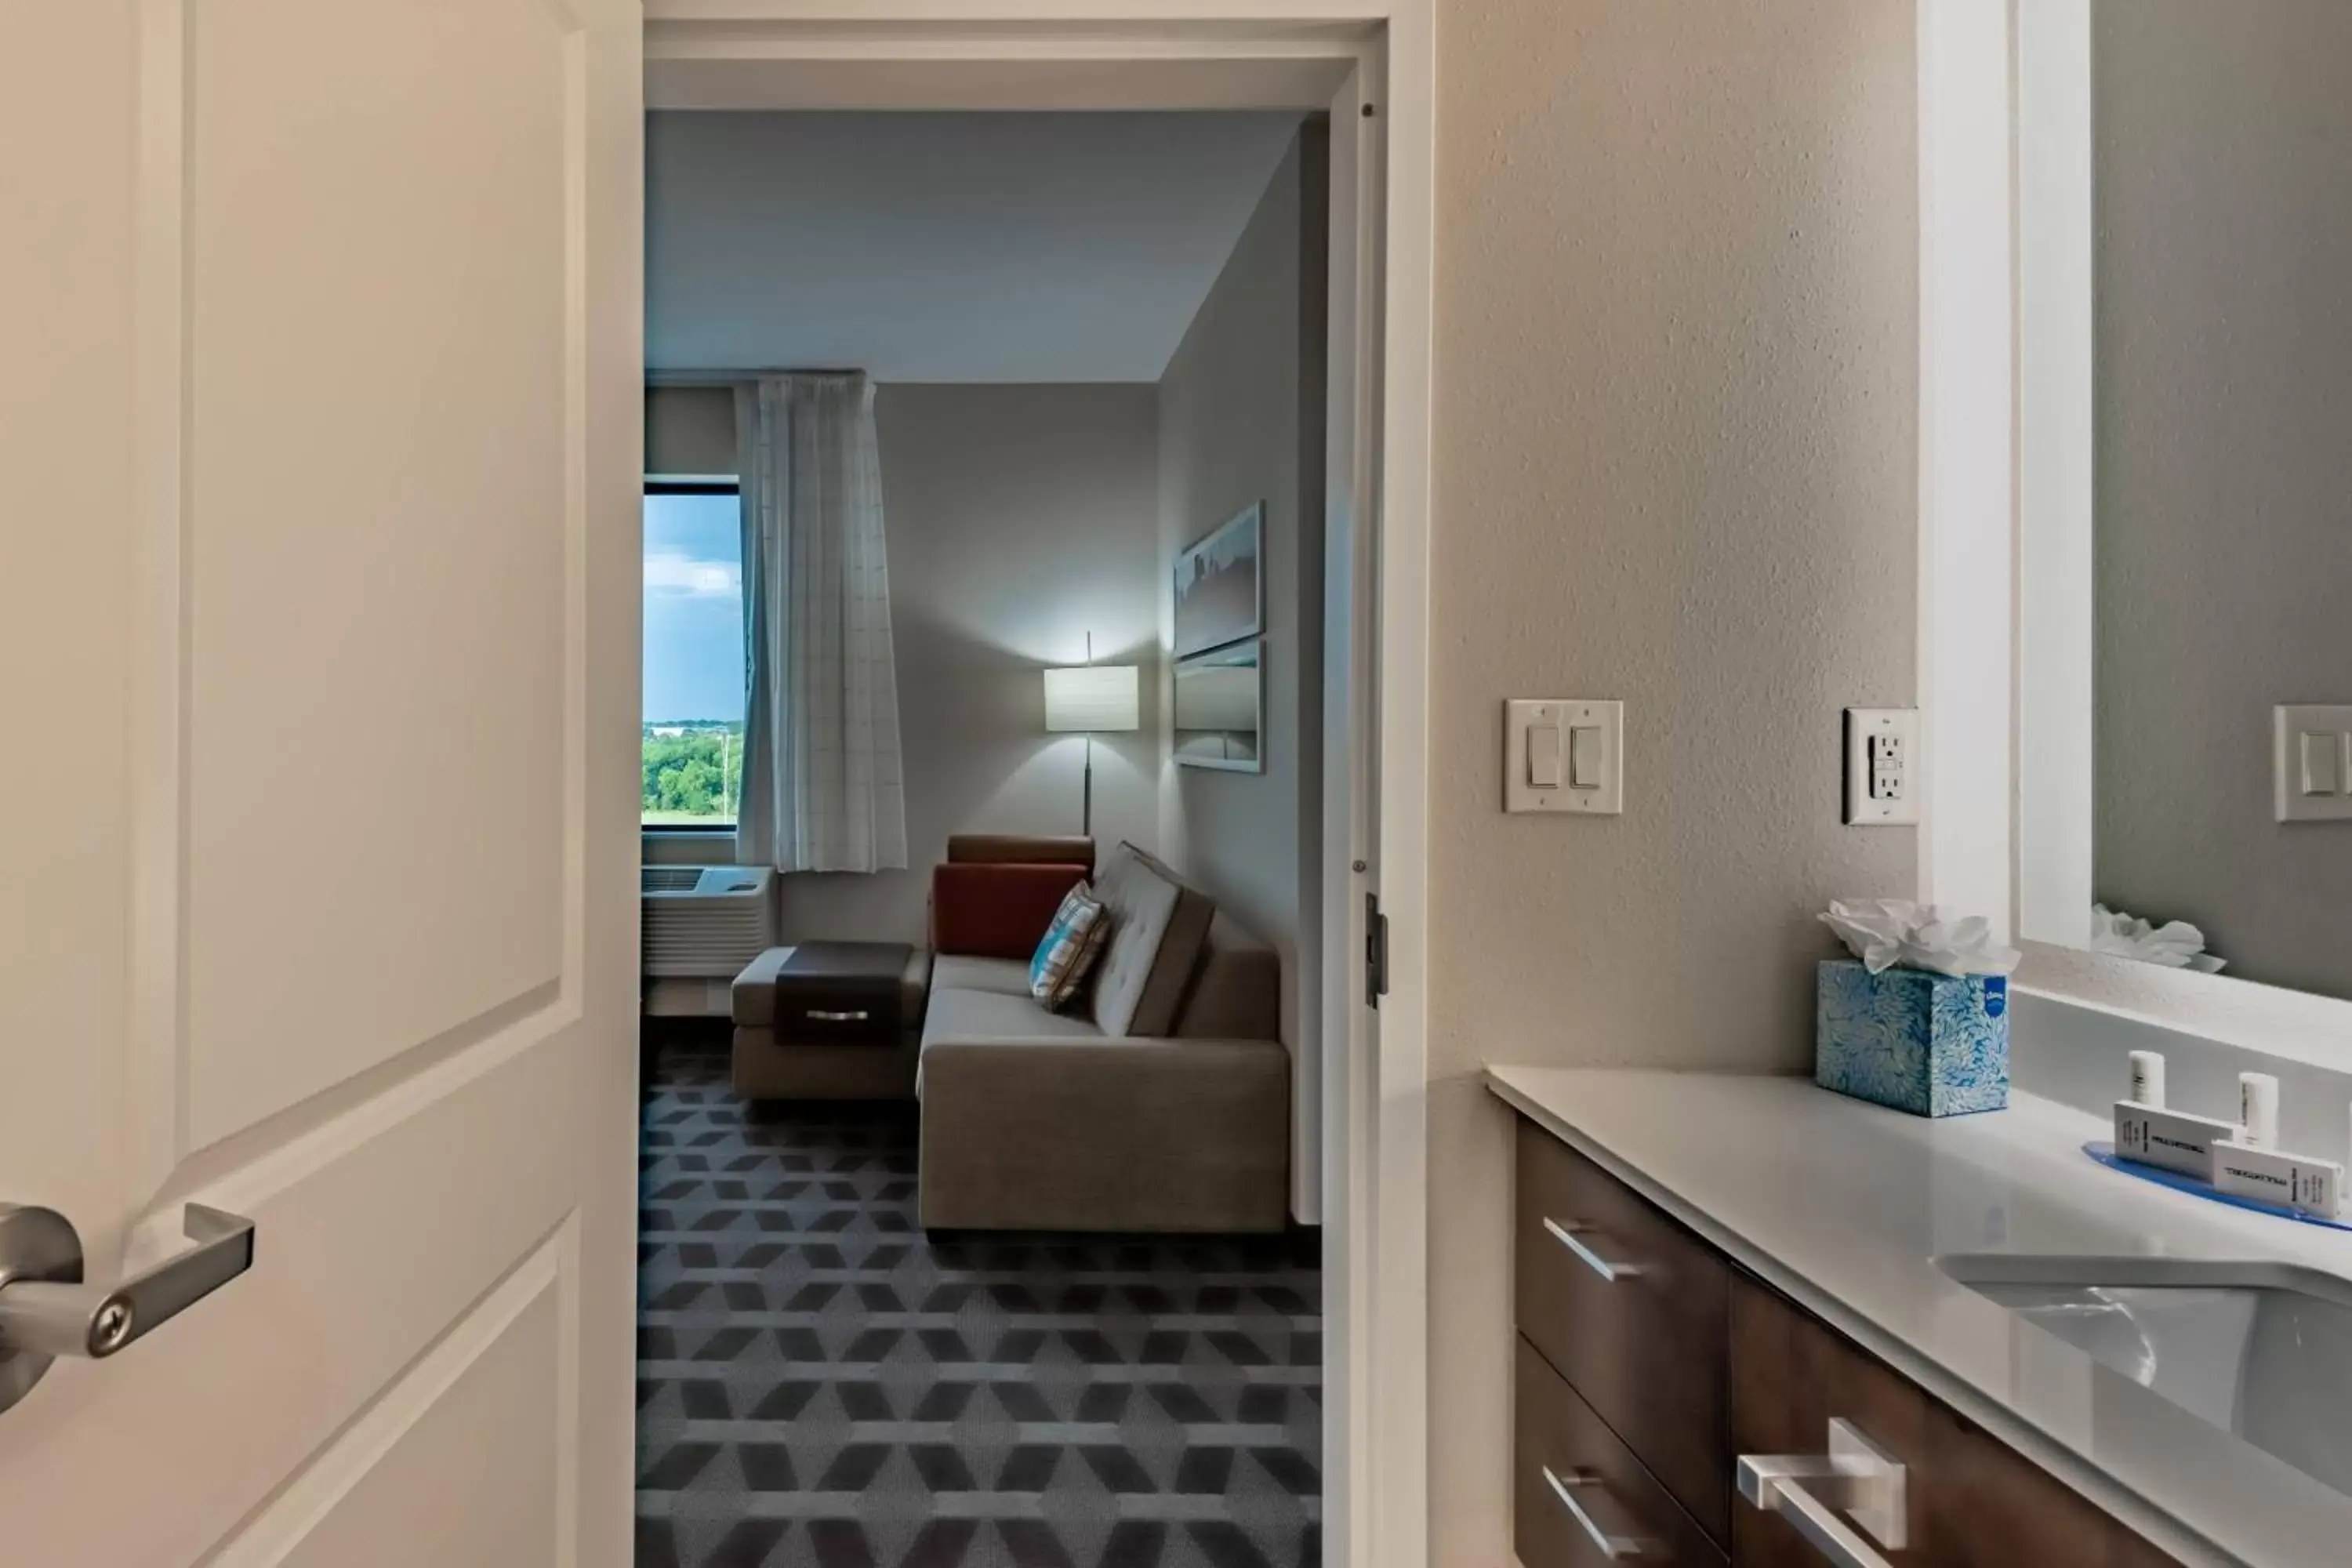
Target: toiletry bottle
(2258, 1109)
(2147, 1078)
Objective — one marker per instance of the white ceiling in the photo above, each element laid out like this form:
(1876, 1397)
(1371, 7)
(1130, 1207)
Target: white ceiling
(943, 248)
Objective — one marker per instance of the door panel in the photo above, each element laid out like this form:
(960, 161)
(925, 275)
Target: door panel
(458, 1464)
(319, 628)
(378, 541)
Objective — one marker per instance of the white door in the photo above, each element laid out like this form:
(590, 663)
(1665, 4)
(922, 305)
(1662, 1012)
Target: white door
(1348, 1123)
(319, 565)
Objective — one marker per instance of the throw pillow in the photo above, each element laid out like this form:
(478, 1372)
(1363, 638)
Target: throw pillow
(1067, 954)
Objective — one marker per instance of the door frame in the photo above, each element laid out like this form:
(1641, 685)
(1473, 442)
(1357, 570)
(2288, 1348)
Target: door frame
(1378, 54)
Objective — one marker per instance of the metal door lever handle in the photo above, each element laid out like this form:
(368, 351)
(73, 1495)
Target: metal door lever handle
(47, 1311)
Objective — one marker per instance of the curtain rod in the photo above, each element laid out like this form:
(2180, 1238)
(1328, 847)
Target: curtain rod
(731, 377)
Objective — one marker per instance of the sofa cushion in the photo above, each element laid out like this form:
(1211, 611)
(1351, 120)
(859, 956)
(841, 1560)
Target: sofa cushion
(1066, 956)
(963, 1017)
(962, 972)
(996, 911)
(1157, 927)
(1022, 849)
(1236, 993)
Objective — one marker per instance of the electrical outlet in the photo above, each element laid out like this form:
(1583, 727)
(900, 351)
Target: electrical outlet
(1881, 766)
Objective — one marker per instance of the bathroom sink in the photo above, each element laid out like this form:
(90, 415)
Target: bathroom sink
(2261, 1350)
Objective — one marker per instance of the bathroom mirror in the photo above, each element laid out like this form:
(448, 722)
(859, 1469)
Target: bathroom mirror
(2185, 484)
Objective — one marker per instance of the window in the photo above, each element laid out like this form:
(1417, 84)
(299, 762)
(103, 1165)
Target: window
(694, 673)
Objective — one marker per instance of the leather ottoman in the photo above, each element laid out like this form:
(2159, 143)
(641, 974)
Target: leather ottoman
(830, 1020)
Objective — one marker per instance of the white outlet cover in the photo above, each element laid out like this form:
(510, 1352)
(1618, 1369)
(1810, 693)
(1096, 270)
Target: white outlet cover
(1900, 726)
(1521, 714)
(2333, 726)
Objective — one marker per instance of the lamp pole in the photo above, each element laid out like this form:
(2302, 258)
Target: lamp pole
(1086, 796)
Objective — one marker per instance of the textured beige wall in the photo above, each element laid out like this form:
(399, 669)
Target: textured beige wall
(1240, 421)
(1675, 464)
(2224, 481)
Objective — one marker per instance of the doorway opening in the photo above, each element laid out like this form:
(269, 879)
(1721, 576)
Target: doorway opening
(1111, 1362)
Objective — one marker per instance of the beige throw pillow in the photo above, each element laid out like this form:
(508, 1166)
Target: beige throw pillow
(1158, 923)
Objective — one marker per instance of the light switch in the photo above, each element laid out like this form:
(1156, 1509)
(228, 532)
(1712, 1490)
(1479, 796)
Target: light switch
(2312, 759)
(1543, 756)
(1564, 754)
(2320, 761)
(1586, 745)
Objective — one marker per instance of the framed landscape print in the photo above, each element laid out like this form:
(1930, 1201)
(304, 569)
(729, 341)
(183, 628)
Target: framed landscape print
(1221, 707)
(1220, 585)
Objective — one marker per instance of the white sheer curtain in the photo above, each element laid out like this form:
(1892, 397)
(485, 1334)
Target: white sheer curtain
(822, 785)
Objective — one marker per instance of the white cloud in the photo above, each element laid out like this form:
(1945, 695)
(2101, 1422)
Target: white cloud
(686, 576)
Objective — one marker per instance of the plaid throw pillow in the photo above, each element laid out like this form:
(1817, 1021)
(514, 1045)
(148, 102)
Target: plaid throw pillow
(1069, 949)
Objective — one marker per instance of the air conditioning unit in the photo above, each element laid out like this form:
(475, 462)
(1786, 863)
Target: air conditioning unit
(702, 924)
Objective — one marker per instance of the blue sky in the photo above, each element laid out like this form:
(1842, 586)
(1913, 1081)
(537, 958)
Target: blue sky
(694, 608)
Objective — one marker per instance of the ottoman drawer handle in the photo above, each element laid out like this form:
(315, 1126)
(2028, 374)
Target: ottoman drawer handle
(858, 1016)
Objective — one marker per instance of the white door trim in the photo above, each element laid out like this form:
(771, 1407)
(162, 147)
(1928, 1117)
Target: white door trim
(1227, 54)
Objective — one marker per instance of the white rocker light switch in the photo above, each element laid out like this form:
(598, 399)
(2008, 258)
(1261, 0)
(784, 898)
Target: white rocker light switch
(1564, 754)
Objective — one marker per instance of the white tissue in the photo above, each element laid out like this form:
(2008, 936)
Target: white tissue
(2177, 945)
(1884, 932)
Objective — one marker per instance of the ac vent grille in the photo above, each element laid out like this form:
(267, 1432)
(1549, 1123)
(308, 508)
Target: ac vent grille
(706, 922)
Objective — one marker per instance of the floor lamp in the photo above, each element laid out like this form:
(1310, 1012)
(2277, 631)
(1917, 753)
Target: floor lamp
(1092, 698)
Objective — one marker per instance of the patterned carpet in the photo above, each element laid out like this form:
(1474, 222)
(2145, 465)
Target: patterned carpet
(820, 1385)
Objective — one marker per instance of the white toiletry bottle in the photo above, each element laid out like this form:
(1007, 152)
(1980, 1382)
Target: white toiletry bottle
(2147, 1078)
(2258, 1109)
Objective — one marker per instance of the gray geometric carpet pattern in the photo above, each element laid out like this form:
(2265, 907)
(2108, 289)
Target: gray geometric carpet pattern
(821, 1385)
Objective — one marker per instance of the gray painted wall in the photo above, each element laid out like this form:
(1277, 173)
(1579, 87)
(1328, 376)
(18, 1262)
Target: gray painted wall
(1019, 519)
(1241, 420)
(690, 430)
(2223, 534)
(1677, 463)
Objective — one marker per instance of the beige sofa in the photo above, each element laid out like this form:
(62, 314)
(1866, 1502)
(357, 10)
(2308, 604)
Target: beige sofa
(1162, 1103)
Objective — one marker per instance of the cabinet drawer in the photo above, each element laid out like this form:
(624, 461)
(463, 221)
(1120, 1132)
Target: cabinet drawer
(1579, 1496)
(1634, 1311)
(1972, 1500)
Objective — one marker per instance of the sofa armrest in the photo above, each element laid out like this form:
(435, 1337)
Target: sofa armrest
(997, 910)
(1105, 1135)
(753, 998)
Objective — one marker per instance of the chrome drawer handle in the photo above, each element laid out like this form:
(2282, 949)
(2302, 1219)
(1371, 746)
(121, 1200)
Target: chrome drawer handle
(1608, 1268)
(858, 1017)
(1612, 1544)
(45, 1311)
(1810, 1491)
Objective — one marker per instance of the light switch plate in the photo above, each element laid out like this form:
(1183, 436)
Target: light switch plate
(1603, 753)
(1883, 772)
(2311, 762)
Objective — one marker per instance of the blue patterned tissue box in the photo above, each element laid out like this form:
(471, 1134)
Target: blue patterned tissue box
(1933, 1045)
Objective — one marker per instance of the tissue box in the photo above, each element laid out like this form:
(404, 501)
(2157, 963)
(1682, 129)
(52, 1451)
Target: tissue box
(1933, 1045)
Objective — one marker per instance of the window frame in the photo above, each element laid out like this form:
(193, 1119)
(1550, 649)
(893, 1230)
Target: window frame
(694, 485)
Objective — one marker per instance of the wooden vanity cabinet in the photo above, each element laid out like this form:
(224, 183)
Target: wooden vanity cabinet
(1975, 1502)
(1647, 1363)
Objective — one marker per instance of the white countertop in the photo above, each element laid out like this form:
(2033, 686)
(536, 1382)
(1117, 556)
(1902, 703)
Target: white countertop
(1844, 1206)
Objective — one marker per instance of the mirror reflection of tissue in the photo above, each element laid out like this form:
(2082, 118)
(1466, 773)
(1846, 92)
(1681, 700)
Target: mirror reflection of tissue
(1884, 932)
(2176, 944)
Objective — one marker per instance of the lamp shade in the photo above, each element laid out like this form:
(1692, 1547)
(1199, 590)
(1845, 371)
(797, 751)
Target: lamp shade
(1093, 697)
